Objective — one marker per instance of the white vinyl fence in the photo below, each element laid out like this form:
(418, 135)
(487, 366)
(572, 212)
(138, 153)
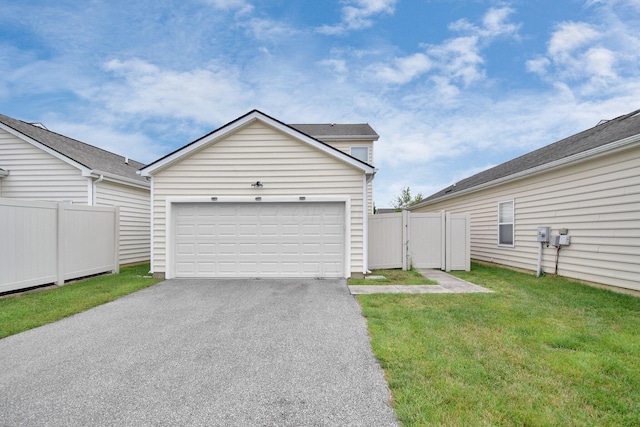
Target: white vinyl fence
(48, 242)
(422, 240)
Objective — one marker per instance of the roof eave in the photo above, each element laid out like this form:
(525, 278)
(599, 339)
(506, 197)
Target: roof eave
(347, 137)
(120, 179)
(616, 146)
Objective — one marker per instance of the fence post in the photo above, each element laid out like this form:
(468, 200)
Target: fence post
(60, 237)
(116, 245)
(447, 235)
(405, 240)
(468, 241)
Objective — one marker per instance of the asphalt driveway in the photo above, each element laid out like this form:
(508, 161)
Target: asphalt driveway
(201, 352)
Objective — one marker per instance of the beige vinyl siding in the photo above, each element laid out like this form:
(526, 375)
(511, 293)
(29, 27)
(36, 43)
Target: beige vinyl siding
(37, 175)
(597, 200)
(286, 166)
(135, 218)
(345, 147)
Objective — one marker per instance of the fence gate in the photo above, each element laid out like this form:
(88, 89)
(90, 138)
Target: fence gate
(422, 240)
(426, 240)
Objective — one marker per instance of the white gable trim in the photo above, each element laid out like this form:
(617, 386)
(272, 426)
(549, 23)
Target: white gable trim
(85, 170)
(244, 121)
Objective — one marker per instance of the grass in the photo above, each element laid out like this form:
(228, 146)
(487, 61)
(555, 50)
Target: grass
(537, 352)
(394, 277)
(26, 311)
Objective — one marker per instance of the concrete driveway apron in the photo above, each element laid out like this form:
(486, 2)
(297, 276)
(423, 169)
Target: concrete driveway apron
(201, 352)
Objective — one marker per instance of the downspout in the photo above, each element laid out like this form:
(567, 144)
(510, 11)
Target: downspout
(95, 188)
(365, 226)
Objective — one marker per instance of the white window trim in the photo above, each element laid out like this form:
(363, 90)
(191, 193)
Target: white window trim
(512, 223)
(360, 146)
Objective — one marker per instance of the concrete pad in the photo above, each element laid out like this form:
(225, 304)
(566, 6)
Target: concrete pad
(447, 284)
(454, 284)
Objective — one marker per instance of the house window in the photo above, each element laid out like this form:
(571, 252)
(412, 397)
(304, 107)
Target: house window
(505, 223)
(360, 153)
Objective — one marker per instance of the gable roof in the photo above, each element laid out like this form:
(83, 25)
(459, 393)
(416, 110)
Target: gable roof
(241, 122)
(79, 154)
(599, 138)
(338, 131)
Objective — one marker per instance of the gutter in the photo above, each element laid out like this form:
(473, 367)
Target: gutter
(614, 147)
(117, 178)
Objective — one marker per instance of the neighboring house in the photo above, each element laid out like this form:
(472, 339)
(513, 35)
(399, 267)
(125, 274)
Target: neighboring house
(259, 198)
(588, 184)
(37, 164)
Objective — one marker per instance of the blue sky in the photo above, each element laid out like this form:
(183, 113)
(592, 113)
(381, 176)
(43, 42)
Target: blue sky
(452, 87)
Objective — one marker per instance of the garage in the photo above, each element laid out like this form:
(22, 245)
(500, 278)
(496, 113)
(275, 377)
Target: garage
(259, 239)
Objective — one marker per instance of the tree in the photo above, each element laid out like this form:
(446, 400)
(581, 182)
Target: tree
(404, 199)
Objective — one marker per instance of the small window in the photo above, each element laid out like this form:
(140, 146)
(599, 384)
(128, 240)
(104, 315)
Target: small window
(360, 153)
(505, 223)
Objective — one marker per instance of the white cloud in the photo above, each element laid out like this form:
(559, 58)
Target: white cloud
(456, 62)
(570, 36)
(600, 62)
(460, 59)
(338, 66)
(204, 95)
(359, 14)
(538, 65)
(404, 69)
(242, 6)
(267, 29)
(594, 58)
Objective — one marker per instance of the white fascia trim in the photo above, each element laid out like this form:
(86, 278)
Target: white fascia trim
(169, 228)
(85, 170)
(240, 123)
(594, 153)
(119, 179)
(347, 137)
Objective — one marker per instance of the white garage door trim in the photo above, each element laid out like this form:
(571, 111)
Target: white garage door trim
(171, 203)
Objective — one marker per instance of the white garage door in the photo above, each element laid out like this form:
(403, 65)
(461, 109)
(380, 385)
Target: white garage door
(304, 239)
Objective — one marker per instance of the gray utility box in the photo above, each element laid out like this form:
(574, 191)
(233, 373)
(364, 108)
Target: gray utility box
(543, 234)
(555, 240)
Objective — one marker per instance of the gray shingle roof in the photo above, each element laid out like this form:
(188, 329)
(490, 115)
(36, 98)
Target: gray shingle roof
(93, 158)
(335, 130)
(602, 134)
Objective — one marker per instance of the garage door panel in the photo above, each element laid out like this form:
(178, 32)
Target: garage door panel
(259, 239)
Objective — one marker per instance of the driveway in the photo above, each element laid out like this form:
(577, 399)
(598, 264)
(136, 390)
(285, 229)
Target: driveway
(201, 352)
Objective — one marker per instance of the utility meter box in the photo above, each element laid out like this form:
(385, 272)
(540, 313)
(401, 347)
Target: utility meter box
(565, 240)
(543, 234)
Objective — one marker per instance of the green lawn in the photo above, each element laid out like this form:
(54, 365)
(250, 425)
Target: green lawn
(394, 277)
(21, 312)
(537, 352)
